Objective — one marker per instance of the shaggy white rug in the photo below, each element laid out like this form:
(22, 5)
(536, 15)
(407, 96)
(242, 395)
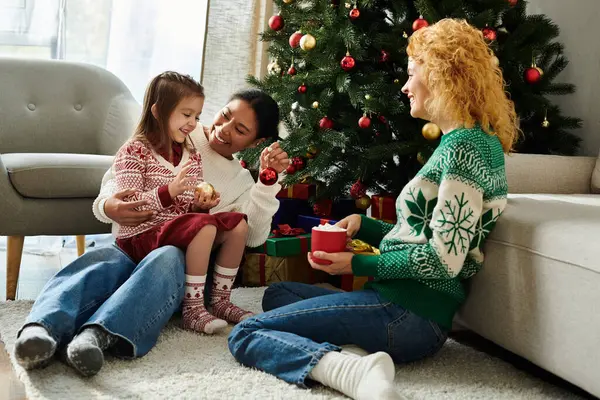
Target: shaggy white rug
(186, 365)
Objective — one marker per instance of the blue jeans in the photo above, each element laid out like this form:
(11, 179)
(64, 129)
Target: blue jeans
(105, 287)
(302, 323)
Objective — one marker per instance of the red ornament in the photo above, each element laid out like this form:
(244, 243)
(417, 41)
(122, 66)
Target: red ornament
(291, 170)
(419, 23)
(489, 33)
(358, 190)
(382, 119)
(513, 3)
(384, 57)
(268, 176)
(532, 75)
(302, 89)
(292, 70)
(299, 163)
(364, 122)
(276, 22)
(347, 62)
(244, 164)
(354, 13)
(295, 39)
(326, 123)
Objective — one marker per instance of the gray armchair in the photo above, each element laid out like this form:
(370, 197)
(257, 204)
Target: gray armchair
(60, 125)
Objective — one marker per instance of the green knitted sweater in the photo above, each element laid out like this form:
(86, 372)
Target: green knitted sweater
(444, 215)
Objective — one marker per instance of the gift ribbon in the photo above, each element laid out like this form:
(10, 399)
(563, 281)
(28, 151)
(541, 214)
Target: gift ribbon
(286, 230)
(290, 191)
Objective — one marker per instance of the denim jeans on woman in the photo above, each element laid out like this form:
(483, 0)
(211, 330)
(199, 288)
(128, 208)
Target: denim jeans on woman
(105, 287)
(302, 323)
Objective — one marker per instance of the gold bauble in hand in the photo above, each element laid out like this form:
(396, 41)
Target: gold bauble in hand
(205, 188)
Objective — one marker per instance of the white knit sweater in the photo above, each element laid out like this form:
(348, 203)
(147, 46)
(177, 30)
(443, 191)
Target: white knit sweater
(238, 191)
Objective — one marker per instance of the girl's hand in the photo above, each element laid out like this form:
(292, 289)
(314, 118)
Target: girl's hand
(341, 263)
(275, 157)
(181, 183)
(204, 202)
(351, 224)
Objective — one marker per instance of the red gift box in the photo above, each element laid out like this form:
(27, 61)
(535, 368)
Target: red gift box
(383, 208)
(300, 191)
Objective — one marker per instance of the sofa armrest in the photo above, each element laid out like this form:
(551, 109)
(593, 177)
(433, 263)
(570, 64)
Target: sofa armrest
(535, 173)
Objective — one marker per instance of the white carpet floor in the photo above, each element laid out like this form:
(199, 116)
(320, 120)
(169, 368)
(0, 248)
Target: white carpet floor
(187, 365)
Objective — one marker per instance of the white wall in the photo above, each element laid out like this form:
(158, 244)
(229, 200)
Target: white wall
(579, 24)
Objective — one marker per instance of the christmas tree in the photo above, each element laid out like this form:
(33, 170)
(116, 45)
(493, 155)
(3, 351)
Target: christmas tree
(337, 70)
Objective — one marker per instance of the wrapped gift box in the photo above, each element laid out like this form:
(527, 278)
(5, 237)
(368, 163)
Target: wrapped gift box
(261, 270)
(307, 222)
(289, 210)
(301, 191)
(383, 208)
(285, 246)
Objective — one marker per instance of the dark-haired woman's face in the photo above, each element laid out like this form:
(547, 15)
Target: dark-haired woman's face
(234, 129)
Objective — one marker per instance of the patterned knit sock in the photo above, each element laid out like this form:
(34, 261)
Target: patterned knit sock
(34, 347)
(85, 353)
(221, 294)
(195, 316)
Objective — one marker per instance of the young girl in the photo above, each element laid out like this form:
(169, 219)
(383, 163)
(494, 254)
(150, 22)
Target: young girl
(161, 164)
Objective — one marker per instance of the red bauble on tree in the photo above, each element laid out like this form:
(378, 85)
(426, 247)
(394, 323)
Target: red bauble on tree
(354, 13)
(384, 57)
(419, 23)
(364, 122)
(358, 190)
(299, 163)
(268, 176)
(489, 33)
(244, 164)
(382, 119)
(276, 22)
(326, 123)
(302, 89)
(295, 39)
(291, 170)
(513, 2)
(347, 62)
(532, 75)
(292, 70)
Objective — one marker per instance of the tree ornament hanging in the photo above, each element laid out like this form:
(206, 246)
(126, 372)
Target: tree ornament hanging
(295, 39)
(347, 62)
(299, 163)
(326, 123)
(431, 131)
(290, 170)
(533, 74)
(308, 42)
(354, 13)
(396, 81)
(274, 68)
(276, 22)
(495, 61)
(405, 35)
(545, 122)
(358, 190)
(489, 34)
(292, 70)
(315, 104)
(302, 88)
(312, 151)
(513, 3)
(268, 176)
(384, 56)
(364, 122)
(419, 23)
(363, 202)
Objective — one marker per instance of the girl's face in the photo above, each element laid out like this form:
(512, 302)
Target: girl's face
(234, 129)
(184, 118)
(417, 91)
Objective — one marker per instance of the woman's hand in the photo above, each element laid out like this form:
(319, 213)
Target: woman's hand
(181, 183)
(205, 201)
(126, 213)
(351, 223)
(341, 263)
(275, 157)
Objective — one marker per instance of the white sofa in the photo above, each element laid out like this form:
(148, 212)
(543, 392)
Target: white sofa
(538, 294)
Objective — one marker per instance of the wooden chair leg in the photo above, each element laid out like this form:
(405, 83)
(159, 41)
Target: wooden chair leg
(80, 244)
(14, 251)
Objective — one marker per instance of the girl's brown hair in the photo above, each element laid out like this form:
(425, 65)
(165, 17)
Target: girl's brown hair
(465, 83)
(165, 91)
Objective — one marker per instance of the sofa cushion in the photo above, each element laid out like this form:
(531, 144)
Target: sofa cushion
(559, 227)
(52, 175)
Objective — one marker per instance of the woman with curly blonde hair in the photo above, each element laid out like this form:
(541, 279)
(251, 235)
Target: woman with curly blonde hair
(444, 216)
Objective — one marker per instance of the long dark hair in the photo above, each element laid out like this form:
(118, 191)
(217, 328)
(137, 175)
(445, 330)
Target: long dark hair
(266, 110)
(166, 91)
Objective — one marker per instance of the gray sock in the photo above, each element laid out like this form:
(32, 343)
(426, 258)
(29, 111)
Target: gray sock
(34, 347)
(85, 353)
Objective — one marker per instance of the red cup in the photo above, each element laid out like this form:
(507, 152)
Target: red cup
(327, 241)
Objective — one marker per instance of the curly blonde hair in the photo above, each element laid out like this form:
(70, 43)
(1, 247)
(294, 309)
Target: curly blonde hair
(464, 82)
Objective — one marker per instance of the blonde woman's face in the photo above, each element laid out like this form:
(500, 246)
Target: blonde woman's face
(416, 90)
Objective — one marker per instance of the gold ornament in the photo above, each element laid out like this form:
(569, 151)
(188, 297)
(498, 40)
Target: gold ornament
(421, 158)
(312, 152)
(315, 104)
(545, 123)
(363, 202)
(359, 247)
(274, 68)
(405, 35)
(396, 81)
(539, 70)
(205, 188)
(308, 42)
(348, 5)
(431, 131)
(288, 1)
(367, 97)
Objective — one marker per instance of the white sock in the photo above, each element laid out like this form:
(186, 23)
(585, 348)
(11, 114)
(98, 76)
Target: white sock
(360, 378)
(354, 350)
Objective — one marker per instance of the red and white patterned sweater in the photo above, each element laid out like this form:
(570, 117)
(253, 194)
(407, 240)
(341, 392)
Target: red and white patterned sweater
(137, 166)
